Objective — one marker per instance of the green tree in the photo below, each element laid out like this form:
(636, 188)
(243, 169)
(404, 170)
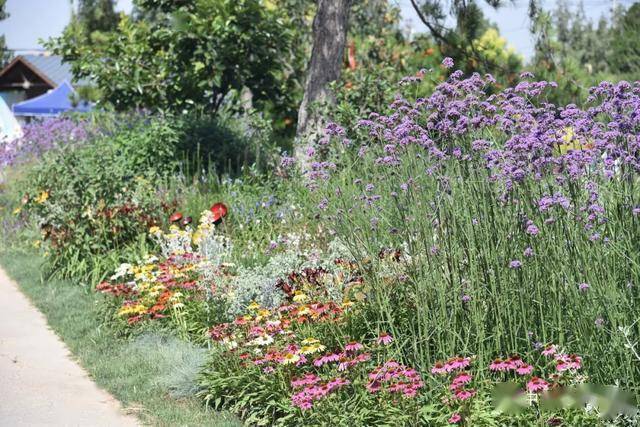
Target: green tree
(471, 41)
(97, 15)
(4, 53)
(625, 43)
(208, 50)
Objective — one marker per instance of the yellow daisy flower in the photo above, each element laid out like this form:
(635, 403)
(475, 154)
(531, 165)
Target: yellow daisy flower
(290, 358)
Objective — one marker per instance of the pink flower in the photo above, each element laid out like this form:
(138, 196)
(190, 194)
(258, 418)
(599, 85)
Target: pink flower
(524, 370)
(353, 346)
(268, 369)
(550, 350)
(332, 357)
(438, 369)
(460, 380)
(465, 394)
(499, 365)
(337, 383)
(374, 386)
(305, 404)
(457, 363)
(410, 392)
(308, 379)
(514, 362)
(568, 362)
(385, 339)
(395, 378)
(302, 360)
(391, 364)
(537, 384)
(455, 418)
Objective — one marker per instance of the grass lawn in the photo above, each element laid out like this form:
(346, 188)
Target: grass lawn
(151, 374)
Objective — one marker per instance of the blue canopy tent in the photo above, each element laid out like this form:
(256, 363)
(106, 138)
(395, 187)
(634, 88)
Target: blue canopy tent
(52, 103)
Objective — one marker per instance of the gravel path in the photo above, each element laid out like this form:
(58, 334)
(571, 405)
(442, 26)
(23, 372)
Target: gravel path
(39, 383)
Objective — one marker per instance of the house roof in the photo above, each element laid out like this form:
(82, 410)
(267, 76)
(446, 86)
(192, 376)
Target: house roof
(49, 68)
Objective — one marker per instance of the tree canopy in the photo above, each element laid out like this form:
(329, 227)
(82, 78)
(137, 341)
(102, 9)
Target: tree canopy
(202, 52)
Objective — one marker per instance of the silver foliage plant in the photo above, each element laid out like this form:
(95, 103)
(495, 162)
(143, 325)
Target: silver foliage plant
(258, 283)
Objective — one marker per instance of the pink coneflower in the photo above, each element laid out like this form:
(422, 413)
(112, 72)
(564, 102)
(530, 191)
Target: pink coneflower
(460, 380)
(374, 386)
(465, 394)
(499, 365)
(337, 383)
(308, 379)
(391, 364)
(514, 362)
(568, 362)
(537, 384)
(455, 418)
(438, 369)
(457, 363)
(410, 392)
(524, 370)
(305, 405)
(550, 350)
(384, 339)
(302, 360)
(353, 346)
(332, 357)
(268, 369)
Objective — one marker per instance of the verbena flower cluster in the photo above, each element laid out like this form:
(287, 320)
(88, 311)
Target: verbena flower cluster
(41, 136)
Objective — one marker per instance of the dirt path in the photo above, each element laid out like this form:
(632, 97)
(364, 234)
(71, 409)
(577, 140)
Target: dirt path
(39, 384)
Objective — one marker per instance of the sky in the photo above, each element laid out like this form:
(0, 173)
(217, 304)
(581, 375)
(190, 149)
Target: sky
(31, 20)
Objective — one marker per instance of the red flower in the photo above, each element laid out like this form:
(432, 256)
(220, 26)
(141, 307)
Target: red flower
(219, 211)
(177, 216)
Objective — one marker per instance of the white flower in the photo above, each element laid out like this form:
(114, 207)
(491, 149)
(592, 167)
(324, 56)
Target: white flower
(262, 340)
(123, 270)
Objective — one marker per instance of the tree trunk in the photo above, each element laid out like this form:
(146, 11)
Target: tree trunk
(329, 39)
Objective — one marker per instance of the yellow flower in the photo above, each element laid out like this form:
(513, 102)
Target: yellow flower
(309, 341)
(313, 348)
(253, 306)
(37, 243)
(568, 135)
(42, 197)
(571, 142)
(299, 297)
(347, 304)
(17, 210)
(290, 358)
(132, 309)
(304, 310)
(154, 230)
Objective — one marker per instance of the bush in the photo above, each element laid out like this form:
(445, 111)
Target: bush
(226, 144)
(99, 198)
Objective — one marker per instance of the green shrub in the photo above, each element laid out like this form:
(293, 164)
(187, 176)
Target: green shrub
(100, 198)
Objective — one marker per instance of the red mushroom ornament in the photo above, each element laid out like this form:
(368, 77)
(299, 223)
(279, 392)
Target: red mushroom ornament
(219, 211)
